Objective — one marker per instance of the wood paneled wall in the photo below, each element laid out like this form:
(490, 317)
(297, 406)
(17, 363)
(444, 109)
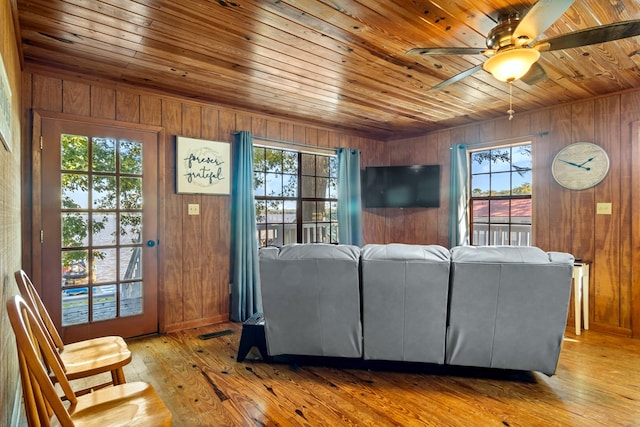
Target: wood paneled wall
(563, 220)
(194, 250)
(10, 238)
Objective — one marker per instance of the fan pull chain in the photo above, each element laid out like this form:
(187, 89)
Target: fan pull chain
(510, 111)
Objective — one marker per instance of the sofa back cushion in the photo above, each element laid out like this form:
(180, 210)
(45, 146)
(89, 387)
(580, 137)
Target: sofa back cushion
(311, 300)
(404, 300)
(508, 307)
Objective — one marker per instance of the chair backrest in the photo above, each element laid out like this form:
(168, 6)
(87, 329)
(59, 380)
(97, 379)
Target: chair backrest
(33, 300)
(34, 352)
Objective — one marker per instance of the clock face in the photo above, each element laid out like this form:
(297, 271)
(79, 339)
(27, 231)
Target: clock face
(579, 166)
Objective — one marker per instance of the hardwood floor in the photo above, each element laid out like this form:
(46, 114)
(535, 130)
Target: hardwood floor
(597, 383)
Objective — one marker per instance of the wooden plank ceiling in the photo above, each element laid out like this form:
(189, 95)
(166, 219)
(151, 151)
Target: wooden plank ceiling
(340, 63)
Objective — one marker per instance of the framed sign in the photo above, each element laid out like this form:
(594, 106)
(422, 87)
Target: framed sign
(202, 166)
(5, 106)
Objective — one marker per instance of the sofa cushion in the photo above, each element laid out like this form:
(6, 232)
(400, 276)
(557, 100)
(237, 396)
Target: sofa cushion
(508, 307)
(404, 300)
(311, 300)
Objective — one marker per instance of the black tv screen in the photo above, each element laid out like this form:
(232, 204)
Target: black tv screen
(401, 186)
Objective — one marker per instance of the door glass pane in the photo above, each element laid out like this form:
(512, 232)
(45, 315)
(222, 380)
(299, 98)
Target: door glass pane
(104, 229)
(74, 267)
(103, 192)
(131, 157)
(131, 299)
(103, 155)
(105, 265)
(130, 193)
(75, 307)
(130, 263)
(75, 229)
(75, 153)
(74, 189)
(104, 302)
(130, 228)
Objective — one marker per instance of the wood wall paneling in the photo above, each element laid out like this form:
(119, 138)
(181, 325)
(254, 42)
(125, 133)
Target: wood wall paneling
(195, 289)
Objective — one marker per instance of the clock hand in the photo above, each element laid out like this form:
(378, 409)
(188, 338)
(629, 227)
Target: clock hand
(571, 163)
(587, 161)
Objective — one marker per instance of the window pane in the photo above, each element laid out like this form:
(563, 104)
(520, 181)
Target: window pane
(274, 184)
(261, 211)
(322, 166)
(290, 211)
(480, 185)
(480, 162)
(290, 185)
(259, 160)
(521, 211)
(501, 160)
(322, 187)
(501, 184)
(308, 164)
(480, 210)
(259, 184)
(332, 188)
(499, 211)
(273, 160)
(275, 211)
(308, 187)
(521, 157)
(521, 182)
(290, 162)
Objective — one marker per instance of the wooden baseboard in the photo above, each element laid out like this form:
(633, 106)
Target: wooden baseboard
(196, 323)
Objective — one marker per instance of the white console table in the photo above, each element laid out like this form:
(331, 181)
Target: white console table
(581, 294)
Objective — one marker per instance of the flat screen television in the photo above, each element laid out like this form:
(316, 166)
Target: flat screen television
(401, 186)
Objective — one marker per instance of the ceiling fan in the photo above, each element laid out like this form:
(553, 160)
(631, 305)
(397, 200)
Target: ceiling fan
(513, 50)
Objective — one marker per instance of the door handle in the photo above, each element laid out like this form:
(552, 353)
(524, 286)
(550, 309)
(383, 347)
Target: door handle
(151, 243)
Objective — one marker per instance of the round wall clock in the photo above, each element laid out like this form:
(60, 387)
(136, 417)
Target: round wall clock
(580, 165)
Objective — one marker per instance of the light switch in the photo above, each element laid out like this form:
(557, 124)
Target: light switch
(194, 209)
(603, 209)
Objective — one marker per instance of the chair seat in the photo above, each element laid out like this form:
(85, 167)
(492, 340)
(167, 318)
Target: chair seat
(130, 404)
(95, 356)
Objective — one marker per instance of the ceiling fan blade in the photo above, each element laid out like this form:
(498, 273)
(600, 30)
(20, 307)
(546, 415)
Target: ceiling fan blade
(540, 17)
(455, 78)
(588, 36)
(449, 51)
(535, 75)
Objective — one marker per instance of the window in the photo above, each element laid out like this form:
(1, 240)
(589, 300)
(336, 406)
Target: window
(501, 196)
(296, 197)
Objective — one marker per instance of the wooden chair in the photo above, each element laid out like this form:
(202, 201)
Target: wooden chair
(130, 404)
(80, 359)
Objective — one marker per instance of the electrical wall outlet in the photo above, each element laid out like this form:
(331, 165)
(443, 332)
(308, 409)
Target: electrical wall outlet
(603, 208)
(194, 209)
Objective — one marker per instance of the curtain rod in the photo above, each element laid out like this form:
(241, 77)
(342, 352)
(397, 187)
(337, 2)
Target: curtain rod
(296, 144)
(492, 143)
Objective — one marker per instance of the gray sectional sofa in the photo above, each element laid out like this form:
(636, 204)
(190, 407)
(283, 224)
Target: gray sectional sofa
(494, 307)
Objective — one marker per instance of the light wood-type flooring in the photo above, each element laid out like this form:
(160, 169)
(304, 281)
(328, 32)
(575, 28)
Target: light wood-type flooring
(597, 383)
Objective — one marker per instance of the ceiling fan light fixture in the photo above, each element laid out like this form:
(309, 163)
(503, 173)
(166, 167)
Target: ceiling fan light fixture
(512, 64)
